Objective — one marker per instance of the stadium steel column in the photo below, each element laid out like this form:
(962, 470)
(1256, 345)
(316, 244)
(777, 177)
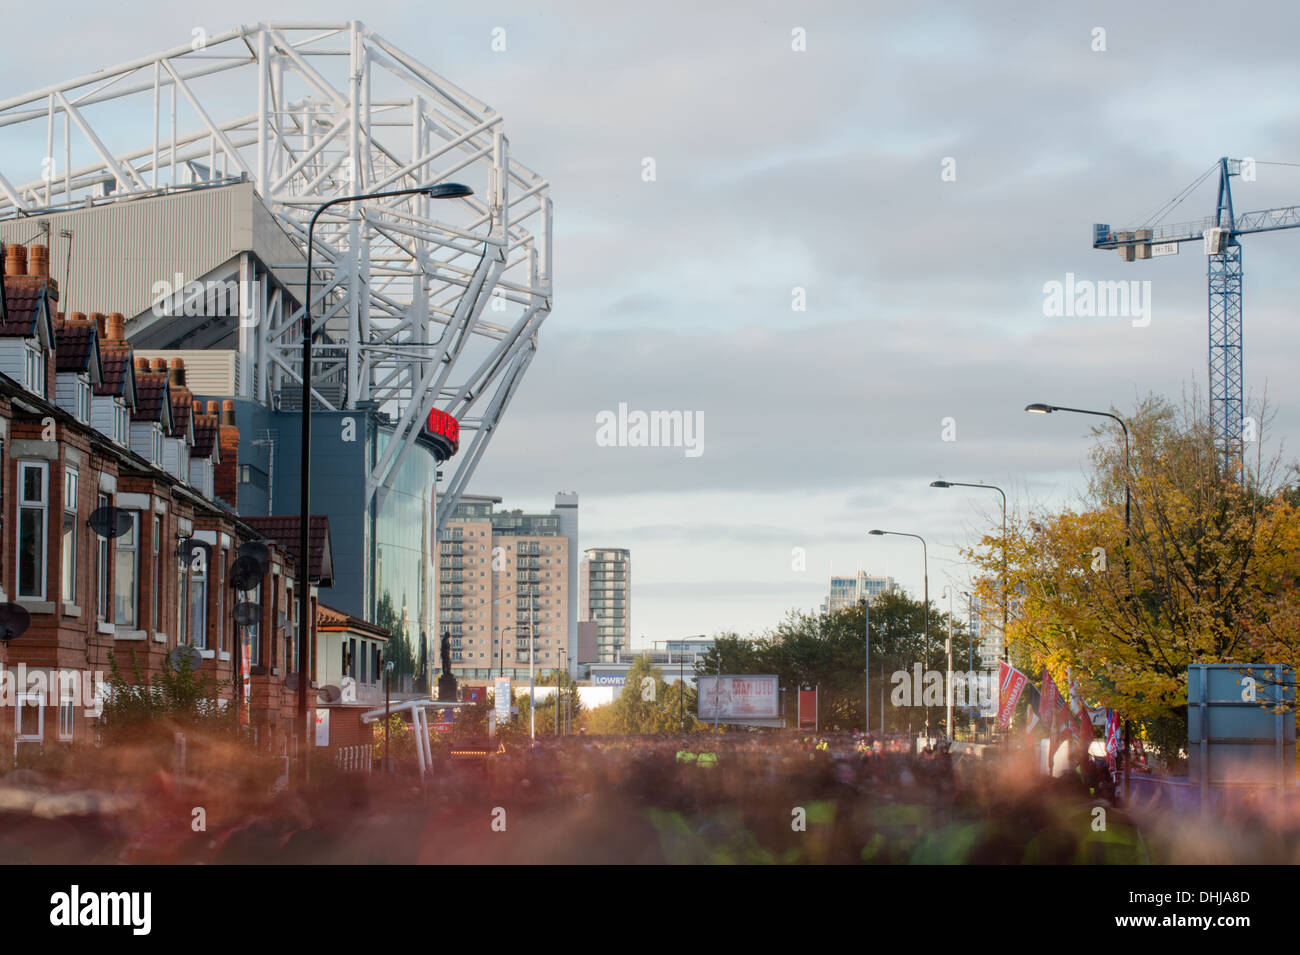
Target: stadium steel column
(925, 615)
(447, 190)
(1006, 596)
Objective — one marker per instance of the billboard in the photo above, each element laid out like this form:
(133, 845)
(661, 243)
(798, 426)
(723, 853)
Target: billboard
(739, 698)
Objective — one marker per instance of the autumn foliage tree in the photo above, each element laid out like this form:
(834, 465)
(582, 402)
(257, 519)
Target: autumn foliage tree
(1207, 572)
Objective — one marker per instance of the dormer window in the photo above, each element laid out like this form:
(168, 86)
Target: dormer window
(34, 368)
(83, 401)
(121, 423)
(157, 445)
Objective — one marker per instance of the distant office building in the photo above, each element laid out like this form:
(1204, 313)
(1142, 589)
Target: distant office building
(604, 594)
(502, 574)
(847, 591)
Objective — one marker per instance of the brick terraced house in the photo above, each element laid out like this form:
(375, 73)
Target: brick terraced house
(84, 426)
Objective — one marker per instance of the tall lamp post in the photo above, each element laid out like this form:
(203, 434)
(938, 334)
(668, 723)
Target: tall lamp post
(948, 694)
(446, 190)
(925, 616)
(1006, 655)
(1041, 408)
(970, 657)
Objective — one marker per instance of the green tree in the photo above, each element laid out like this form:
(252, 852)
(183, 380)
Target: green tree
(648, 704)
(826, 650)
(179, 697)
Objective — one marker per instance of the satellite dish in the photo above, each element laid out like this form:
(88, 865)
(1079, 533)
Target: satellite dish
(185, 655)
(246, 573)
(189, 546)
(291, 681)
(257, 550)
(248, 613)
(14, 621)
(329, 694)
(110, 522)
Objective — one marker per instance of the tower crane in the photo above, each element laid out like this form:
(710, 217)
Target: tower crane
(1219, 233)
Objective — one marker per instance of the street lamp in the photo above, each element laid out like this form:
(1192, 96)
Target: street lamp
(947, 694)
(446, 190)
(1040, 408)
(925, 616)
(1005, 595)
(564, 656)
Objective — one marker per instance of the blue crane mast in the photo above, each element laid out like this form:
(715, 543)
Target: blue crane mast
(1219, 234)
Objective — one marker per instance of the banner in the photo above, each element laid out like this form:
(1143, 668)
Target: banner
(1114, 738)
(738, 698)
(1011, 683)
(503, 699)
(808, 707)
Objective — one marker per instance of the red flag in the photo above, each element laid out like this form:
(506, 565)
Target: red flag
(1113, 740)
(1011, 683)
(1084, 733)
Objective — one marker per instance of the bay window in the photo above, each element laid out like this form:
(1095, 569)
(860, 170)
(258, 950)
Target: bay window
(33, 528)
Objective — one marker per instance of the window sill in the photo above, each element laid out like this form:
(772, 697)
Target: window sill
(207, 654)
(32, 605)
(107, 628)
(71, 610)
(224, 655)
(160, 638)
(129, 634)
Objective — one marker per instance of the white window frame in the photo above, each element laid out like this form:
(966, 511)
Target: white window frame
(134, 556)
(157, 572)
(34, 368)
(198, 571)
(122, 423)
(67, 717)
(23, 699)
(68, 558)
(43, 505)
(103, 560)
(83, 401)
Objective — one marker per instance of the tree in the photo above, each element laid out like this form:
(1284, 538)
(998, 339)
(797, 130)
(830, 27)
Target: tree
(826, 650)
(647, 704)
(1205, 575)
(178, 698)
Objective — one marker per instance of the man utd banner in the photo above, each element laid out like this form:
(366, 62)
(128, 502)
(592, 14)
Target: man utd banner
(1011, 683)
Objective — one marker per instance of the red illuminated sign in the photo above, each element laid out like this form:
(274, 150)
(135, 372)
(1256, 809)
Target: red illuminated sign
(443, 426)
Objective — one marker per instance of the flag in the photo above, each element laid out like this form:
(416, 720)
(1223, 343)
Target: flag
(1113, 738)
(1011, 683)
(1082, 720)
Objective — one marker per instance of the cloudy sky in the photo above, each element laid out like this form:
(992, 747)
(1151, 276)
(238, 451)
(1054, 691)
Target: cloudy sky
(823, 169)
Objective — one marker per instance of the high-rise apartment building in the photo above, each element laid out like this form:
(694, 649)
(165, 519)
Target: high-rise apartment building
(502, 575)
(605, 597)
(847, 591)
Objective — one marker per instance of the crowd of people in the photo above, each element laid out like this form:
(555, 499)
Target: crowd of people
(764, 797)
